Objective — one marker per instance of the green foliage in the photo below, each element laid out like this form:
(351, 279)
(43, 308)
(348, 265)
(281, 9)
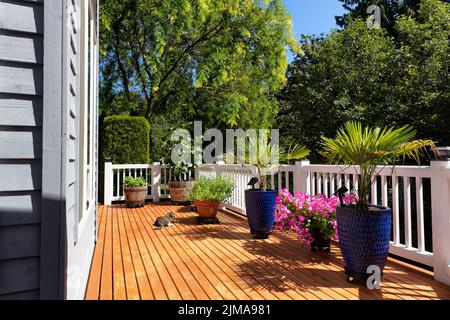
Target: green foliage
(264, 157)
(369, 147)
(365, 75)
(126, 139)
(131, 182)
(390, 10)
(219, 60)
(216, 190)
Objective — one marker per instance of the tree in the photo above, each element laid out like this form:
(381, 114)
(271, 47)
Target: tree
(365, 75)
(390, 11)
(223, 60)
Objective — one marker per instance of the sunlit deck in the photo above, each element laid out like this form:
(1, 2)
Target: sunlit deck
(133, 261)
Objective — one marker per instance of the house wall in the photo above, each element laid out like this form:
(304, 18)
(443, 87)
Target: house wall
(45, 250)
(21, 119)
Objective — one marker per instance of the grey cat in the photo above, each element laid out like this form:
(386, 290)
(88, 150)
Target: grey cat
(166, 221)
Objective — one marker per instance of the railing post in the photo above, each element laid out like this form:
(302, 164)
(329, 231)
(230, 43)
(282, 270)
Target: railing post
(440, 201)
(301, 177)
(156, 182)
(109, 185)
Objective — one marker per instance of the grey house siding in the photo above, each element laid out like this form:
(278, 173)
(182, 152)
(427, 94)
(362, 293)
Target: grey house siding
(21, 147)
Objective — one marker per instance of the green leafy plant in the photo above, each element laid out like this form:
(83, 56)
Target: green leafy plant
(183, 170)
(131, 182)
(369, 148)
(126, 139)
(216, 190)
(266, 157)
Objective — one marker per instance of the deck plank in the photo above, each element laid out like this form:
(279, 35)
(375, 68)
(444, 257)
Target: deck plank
(131, 285)
(106, 288)
(93, 289)
(134, 261)
(119, 292)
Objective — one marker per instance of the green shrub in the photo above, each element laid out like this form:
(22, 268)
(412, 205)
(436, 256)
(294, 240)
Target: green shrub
(217, 190)
(131, 182)
(126, 139)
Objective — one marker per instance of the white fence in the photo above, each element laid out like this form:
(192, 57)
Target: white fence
(419, 198)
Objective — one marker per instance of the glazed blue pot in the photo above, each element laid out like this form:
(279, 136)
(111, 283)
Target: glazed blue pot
(260, 207)
(364, 238)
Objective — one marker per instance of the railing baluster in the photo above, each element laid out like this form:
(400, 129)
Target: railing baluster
(355, 182)
(325, 184)
(407, 211)
(319, 183)
(420, 215)
(332, 184)
(395, 210)
(347, 181)
(287, 181)
(117, 184)
(123, 181)
(313, 183)
(272, 181)
(384, 191)
(374, 192)
(280, 186)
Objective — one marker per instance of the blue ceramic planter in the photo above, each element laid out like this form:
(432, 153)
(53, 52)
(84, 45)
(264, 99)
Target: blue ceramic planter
(364, 237)
(260, 207)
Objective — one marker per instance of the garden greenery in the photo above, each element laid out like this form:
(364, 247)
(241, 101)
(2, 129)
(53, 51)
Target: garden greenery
(216, 190)
(126, 139)
(371, 147)
(131, 182)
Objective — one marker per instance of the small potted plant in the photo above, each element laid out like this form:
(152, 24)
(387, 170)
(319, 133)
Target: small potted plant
(181, 183)
(209, 194)
(260, 202)
(183, 168)
(135, 191)
(364, 229)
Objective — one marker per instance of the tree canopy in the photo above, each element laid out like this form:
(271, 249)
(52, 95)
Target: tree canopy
(367, 75)
(216, 59)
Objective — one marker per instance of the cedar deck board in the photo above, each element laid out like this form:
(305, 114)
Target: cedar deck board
(222, 262)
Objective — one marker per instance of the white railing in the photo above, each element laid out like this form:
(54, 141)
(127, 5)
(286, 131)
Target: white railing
(157, 177)
(418, 195)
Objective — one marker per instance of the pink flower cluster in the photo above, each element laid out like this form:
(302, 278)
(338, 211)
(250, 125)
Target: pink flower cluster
(308, 215)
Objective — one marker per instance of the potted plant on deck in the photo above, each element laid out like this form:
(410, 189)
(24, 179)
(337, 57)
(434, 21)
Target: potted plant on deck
(312, 218)
(183, 169)
(181, 184)
(260, 202)
(208, 194)
(135, 191)
(364, 229)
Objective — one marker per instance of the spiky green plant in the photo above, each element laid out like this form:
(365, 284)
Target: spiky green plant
(369, 148)
(266, 157)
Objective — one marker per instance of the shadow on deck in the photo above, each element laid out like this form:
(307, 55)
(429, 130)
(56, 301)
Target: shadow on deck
(134, 261)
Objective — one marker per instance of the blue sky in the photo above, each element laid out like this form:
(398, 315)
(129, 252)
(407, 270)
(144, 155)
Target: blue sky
(313, 16)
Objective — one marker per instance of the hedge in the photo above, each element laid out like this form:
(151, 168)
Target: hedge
(126, 139)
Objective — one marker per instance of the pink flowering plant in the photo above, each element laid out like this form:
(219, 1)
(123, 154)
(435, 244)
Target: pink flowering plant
(308, 216)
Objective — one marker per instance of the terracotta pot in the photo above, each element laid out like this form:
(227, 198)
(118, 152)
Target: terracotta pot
(180, 190)
(135, 196)
(207, 209)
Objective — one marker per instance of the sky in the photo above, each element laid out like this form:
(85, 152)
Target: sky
(313, 16)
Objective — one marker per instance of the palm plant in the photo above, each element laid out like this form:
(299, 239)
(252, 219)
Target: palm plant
(369, 148)
(266, 157)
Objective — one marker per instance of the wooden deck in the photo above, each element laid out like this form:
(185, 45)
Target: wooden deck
(134, 261)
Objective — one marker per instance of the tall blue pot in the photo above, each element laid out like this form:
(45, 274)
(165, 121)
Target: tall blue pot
(364, 238)
(260, 207)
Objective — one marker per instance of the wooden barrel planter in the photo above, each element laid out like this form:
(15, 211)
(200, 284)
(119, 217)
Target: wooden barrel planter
(135, 196)
(180, 190)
